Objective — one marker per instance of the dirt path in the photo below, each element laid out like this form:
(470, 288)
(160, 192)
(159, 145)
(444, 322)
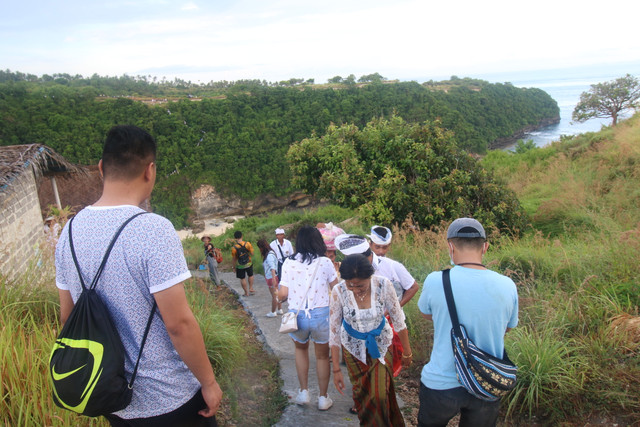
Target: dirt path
(281, 345)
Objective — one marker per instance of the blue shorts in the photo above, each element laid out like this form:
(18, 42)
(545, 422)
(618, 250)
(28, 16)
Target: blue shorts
(316, 327)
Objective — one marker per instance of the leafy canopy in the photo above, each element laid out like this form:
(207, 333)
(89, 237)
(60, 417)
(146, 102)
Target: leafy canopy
(206, 133)
(391, 170)
(608, 99)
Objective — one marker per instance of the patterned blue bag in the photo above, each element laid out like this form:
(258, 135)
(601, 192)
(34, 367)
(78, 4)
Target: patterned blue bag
(483, 375)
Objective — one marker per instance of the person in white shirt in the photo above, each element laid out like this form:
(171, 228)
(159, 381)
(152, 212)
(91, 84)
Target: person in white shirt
(404, 284)
(282, 247)
(307, 278)
(380, 238)
(176, 384)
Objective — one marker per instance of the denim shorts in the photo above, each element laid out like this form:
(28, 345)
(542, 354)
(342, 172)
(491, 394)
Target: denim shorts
(316, 327)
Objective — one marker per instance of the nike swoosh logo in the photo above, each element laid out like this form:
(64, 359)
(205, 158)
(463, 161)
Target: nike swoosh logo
(57, 377)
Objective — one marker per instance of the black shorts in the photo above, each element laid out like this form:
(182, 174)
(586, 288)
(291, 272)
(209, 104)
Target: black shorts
(186, 415)
(241, 272)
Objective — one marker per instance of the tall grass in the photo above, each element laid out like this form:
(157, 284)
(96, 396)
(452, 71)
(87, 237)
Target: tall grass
(551, 372)
(577, 272)
(223, 335)
(29, 324)
(29, 319)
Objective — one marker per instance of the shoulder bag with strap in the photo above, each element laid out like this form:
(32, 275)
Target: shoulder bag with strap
(482, 374)
(290, 319)
(280, 263)
(87, 360)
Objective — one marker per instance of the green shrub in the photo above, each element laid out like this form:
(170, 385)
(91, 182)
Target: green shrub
(392, 170)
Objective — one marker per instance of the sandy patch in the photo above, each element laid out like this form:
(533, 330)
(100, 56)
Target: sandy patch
(212, 227)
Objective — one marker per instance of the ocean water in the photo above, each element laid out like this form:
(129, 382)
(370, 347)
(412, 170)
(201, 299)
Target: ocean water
(565, 86)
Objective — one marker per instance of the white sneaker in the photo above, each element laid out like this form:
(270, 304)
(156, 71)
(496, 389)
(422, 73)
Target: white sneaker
(303, 397)
(280, 312)
(270, 314)
(324, 403)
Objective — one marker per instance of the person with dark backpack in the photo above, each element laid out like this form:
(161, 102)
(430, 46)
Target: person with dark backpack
(145, 267)
(241, 252)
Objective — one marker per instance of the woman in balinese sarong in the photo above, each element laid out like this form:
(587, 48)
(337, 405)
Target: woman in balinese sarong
(358, 325)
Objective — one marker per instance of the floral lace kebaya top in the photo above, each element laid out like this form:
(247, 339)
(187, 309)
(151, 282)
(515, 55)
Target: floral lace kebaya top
(343, 306)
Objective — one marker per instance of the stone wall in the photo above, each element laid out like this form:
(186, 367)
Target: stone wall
(21, 225)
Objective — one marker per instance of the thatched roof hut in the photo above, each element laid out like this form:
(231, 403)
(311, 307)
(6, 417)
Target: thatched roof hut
(21, 221)
(14, 159)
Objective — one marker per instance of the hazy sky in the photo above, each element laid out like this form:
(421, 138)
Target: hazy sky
(215, 40)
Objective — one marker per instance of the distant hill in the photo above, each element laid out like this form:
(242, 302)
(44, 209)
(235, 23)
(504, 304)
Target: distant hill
(234, 135)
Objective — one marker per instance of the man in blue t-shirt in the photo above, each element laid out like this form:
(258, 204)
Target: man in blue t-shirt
(487, 306)
(176, 384)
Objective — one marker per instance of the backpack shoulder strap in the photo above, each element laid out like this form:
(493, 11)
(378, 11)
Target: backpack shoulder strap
(106, 255)
(144, 340)
(451, 304)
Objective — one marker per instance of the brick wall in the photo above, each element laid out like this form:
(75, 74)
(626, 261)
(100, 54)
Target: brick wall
(21, 225)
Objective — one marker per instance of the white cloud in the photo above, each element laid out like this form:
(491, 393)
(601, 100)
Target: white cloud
(190, 6)
(280, 39)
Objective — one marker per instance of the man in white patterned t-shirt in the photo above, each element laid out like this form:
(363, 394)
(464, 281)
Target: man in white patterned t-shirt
(175, 383)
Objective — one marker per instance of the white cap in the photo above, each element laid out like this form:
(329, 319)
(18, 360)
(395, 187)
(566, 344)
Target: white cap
(279, 231)
(350, 244)
(378, 238)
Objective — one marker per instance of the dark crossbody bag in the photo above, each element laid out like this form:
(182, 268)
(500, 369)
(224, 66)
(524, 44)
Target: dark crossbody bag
(483, 375)
(280, 263)
(86, 364)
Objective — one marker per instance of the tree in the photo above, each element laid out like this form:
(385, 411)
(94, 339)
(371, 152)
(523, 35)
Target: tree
(375, 78)
(392, 170)
(608, 99)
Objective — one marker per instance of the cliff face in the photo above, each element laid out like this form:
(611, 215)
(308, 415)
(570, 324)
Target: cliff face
(505, 142)
(207, 202)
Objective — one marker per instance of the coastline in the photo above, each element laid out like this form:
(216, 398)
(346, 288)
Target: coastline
(503, 143)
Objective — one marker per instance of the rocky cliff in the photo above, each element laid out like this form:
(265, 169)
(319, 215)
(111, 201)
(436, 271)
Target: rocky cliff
(207, 202)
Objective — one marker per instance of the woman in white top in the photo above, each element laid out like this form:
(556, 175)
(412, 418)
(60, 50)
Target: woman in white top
(358, 325)
(307, 278)
(270, 267)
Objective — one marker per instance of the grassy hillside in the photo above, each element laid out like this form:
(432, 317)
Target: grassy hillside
(578, 273)
(578, 342)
